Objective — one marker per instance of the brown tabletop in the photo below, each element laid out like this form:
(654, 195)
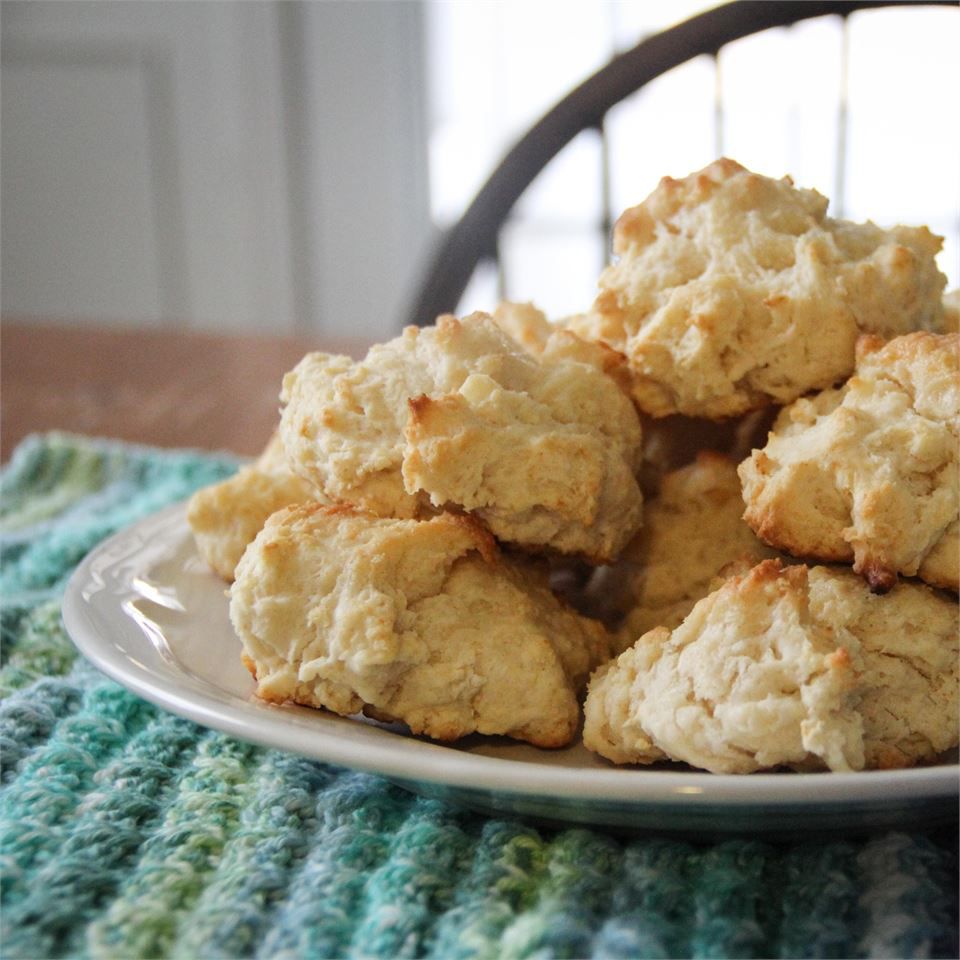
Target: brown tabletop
(168, 388)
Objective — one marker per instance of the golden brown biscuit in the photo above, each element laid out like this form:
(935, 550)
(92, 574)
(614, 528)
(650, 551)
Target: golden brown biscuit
(691, 531)
(909, 684)
(869, 473)
(459, 416)
(342, 422)
(732, 291)
(786, 667)
(226, 516)
(423, 622)
(526, 325)
(749, 681)
(554, 340)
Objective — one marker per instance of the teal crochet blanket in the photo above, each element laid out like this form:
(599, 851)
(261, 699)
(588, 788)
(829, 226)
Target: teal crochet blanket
(129, 832)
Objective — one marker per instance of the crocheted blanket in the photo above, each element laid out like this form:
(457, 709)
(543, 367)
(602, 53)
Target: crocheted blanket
(129, 832)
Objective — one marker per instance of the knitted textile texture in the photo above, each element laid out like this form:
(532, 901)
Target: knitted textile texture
(129, 832)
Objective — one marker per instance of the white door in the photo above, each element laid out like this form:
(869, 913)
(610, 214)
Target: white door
(232, 165)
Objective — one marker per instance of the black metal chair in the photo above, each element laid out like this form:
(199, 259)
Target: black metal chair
(474, 237)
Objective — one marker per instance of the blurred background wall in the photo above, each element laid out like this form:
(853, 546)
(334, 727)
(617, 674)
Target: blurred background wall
(284, 167)
(222, 165)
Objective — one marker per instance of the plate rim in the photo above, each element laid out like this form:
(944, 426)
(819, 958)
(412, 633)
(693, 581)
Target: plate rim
(442, 764)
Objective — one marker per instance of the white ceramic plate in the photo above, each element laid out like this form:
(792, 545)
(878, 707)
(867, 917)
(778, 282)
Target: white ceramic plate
(146, 610)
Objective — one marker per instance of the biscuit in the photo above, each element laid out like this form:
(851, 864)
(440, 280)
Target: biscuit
(554, 340)
(342, 422)
(909, 685)
(423, 622)
(732, 291)
(691, 531)
(226, 516)
(749, 681)
(459, 416)
(786, 667)
(524, 324)
(869, 473)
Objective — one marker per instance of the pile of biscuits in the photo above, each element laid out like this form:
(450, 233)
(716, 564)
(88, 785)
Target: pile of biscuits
(714, 518)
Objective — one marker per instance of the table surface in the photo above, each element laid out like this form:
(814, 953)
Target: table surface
(170, 388)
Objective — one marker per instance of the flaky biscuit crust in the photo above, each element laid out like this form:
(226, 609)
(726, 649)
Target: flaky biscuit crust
(869, 473)
(342, 422)
(692, 529)
(424, 622)
(785, 666)
(543, 450)
(226, 516)
(732, 291)
(528, 326)
(749, 681)
(910, 681)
